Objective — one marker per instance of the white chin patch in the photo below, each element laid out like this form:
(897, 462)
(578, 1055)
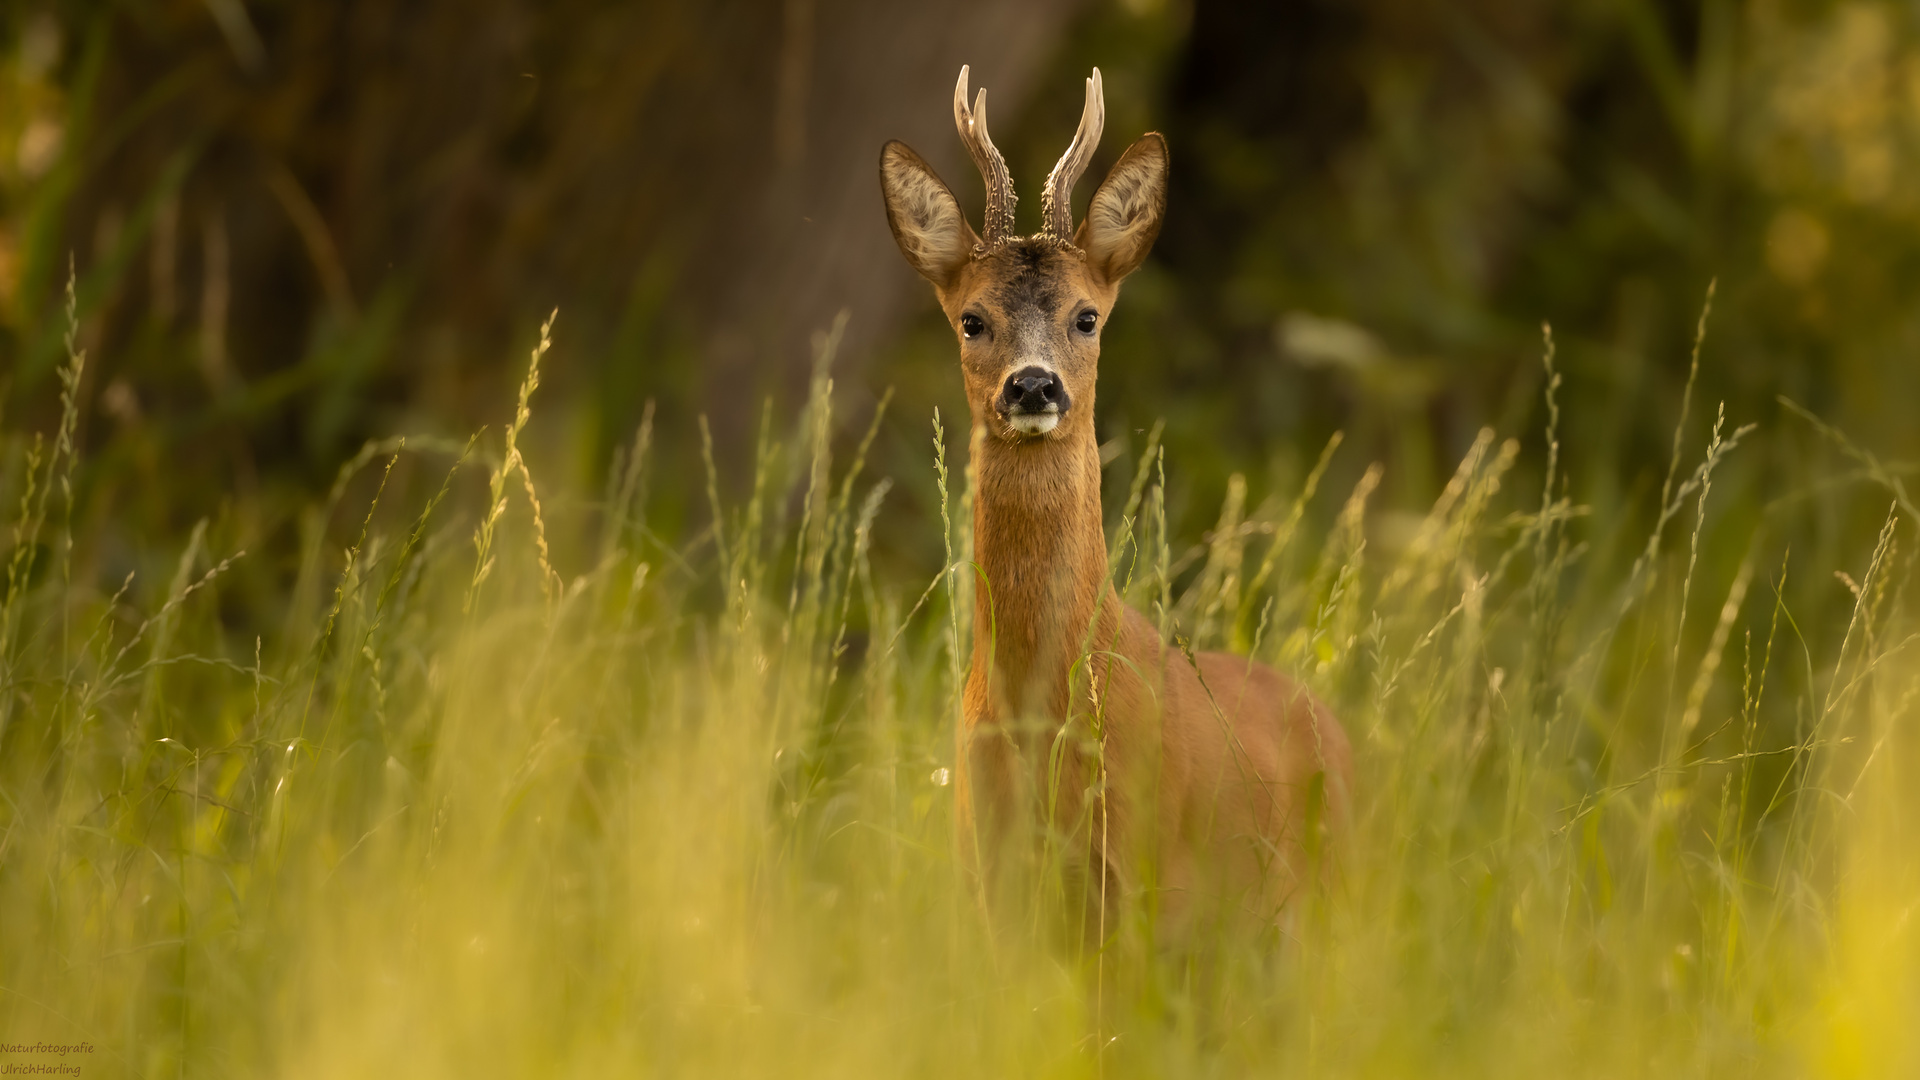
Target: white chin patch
(1034, 423)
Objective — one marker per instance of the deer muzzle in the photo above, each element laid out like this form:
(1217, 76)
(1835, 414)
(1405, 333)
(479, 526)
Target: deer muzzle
(1034, 400)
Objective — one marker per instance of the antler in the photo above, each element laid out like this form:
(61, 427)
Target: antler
(993, 168)
(1056, 203)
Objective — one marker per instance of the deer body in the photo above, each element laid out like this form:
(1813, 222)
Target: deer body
(1215, 769)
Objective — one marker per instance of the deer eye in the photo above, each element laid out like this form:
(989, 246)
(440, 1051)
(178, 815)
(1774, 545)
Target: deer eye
(1086, 321)
(971, 325)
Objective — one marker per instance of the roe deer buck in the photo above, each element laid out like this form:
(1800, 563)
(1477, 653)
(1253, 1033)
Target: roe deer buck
(1216, 767)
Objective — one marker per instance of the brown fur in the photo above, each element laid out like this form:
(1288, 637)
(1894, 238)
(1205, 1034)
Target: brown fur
(1218, 766)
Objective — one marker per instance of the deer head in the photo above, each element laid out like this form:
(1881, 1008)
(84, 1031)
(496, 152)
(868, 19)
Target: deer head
(1028, 310)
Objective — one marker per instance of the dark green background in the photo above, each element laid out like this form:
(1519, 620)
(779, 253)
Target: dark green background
(299, 226)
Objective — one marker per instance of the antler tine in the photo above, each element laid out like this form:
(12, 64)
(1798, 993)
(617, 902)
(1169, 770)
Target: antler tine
(993, 168)
(1056, 203)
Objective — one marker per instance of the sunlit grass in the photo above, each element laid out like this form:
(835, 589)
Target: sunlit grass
(688, 812)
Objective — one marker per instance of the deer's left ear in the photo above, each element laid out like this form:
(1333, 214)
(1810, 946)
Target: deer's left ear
(1125, 214)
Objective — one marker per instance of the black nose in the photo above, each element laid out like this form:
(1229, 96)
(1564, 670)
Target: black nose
(1032, 389)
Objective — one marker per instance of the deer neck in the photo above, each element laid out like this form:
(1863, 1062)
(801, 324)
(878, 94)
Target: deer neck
(1041, 547)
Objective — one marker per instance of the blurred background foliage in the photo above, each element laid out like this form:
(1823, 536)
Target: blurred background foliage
(296, 227)
(295, 231)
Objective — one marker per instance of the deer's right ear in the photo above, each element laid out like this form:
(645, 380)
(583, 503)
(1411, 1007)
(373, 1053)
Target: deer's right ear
(927, 223)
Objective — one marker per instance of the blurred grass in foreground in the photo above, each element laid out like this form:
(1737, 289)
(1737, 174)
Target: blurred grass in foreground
(686, 814)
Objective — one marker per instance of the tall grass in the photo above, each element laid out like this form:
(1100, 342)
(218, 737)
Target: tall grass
(689, 812)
